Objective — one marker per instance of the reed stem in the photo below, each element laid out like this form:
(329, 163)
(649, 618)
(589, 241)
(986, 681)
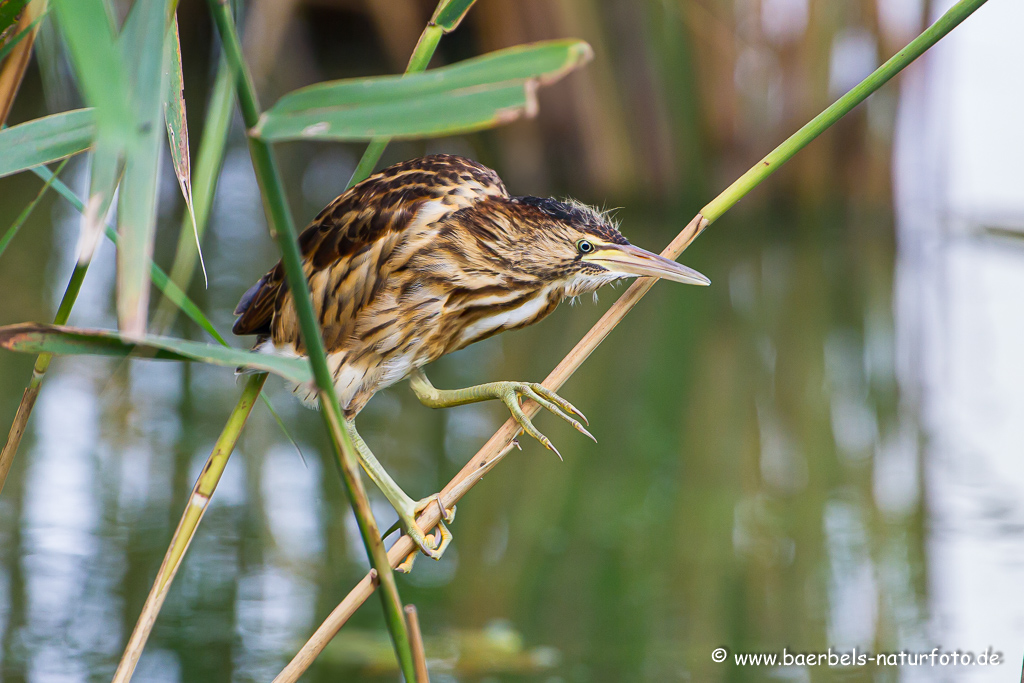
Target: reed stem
(283, 230)
(203, 490)
(840, 108)
(421, 55)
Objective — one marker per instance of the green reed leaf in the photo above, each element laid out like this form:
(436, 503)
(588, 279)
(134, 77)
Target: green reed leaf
(449, 14)
(142, 50)
(71, 341)
(472, 95)
(46, 139)
(89, 35)
(177, 130)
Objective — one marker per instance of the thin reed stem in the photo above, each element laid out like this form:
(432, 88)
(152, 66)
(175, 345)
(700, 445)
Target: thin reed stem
(194, 511)
(419, 655)
(283, 230)
(42, 364)
(501, 442)
(421, 55)
(820, 123)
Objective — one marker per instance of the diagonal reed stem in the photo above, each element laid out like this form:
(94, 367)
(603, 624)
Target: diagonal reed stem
(421, 55)
(194, 511)
(501, 442)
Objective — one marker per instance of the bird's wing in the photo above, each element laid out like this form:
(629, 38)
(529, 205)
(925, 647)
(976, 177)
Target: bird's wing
(345, 247)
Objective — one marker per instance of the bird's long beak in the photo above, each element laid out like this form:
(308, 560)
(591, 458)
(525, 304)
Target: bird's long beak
(630, 260)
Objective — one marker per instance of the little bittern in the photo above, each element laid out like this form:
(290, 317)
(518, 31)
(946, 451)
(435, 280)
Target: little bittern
(423, 259)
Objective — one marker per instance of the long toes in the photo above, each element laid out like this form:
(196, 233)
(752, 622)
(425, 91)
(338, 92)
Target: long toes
(446, 538)
(447, 514)
(524, 422)
(561, 402)
(424, 542)
(531, 394)
(406, 566)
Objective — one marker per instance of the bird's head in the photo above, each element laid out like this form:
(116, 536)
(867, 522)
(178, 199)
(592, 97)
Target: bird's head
(581, 247)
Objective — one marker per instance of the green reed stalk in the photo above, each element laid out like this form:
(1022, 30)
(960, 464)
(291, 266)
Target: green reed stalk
(840, 108)
(421, 55)
(210, 477)
(500, 444)
(198, 502)
(283, 230)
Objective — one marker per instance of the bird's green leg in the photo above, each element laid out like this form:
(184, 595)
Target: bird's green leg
(406, 507)
(506, 392)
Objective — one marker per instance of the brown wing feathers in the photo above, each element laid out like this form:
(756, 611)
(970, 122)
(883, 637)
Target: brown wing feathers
(347, 245)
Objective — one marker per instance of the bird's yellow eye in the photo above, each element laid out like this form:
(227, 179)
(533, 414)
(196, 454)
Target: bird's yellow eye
(585, 246)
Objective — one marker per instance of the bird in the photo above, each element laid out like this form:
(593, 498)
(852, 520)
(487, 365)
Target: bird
(421, 260)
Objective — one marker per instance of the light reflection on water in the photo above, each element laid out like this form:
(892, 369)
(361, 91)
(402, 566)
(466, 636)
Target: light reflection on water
(959, 322)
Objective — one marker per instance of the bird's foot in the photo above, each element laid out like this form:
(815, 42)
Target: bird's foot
(430, 545)
(510, 393)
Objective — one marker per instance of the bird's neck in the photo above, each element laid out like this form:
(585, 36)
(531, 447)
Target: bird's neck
(490, 311)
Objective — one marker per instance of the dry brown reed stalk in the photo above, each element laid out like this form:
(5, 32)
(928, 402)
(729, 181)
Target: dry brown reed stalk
(496, 448)
(15, 65)
(419, 655)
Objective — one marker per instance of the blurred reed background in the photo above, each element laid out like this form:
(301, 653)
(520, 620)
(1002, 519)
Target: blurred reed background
(763, 477)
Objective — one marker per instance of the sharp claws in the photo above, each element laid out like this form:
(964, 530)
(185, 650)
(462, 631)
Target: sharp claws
(406, 566)
(565, 405)
(575, 411)
(446, 514)
(584, 432)
(550, 446)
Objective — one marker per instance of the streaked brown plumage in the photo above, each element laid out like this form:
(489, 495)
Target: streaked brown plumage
(431, 255)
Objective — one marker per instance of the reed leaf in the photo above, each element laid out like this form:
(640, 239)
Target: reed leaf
(449, 14)
(478, 93)
(209, 160)
(177, 130)
(142, 50)
(89, 36)
(72, 341)
(43, 140)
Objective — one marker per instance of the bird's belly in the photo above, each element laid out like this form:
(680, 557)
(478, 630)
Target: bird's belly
(357, 377)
